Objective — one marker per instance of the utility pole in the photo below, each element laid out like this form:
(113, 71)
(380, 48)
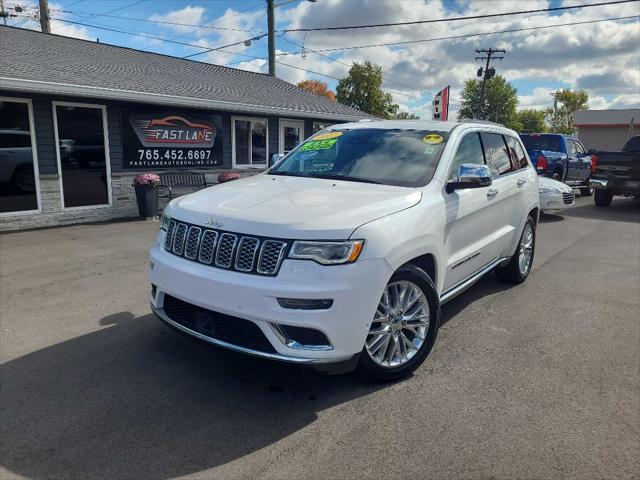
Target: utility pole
(272, 38)
(45, 26)
(486, 73)
(3, 14)
(555, 111)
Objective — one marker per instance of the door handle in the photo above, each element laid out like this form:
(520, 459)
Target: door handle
(492, 193)
(521, 182)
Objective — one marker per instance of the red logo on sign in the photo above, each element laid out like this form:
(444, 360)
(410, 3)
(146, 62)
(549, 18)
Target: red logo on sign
(173, 131)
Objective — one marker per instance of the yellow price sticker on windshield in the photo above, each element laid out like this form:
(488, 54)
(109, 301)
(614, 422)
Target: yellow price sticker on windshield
(432, 139)
(327, 135)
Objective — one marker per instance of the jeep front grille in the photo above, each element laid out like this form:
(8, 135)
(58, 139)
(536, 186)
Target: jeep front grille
(231, 251)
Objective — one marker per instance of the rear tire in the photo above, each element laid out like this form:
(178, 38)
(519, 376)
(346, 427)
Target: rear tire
(518, 267)
(602, 197)
(385, 356)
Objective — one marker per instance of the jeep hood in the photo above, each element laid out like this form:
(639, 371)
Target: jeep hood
(292, 207)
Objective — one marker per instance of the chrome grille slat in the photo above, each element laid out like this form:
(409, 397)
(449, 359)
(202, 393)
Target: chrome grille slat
(191, 245)
(168, 239)
(179, 238)
(231, 251)
(224, 252)
(246, 255)
(271, 255)
(568, 197)
(208, 246)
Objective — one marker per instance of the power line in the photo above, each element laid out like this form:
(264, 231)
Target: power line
(139, 34)
(137, 2)
(160, 22)
(469, 35)
(225, 46)
(218, 22)
(348, 65)
(454, 19)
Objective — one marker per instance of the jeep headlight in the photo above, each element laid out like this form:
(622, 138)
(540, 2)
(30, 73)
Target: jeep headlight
(327, 253)
(544, 189)
(164, 221)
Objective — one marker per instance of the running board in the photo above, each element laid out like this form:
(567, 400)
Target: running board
(463, 285)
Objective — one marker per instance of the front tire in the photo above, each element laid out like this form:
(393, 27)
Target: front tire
(586, 191)
(519, 265)
(602, 197)
(404, 328)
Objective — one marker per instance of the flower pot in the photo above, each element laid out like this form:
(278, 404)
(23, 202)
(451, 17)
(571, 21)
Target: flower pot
(147, 197)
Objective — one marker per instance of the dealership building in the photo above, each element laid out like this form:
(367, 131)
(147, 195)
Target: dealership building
(606, 129)
(79, 120)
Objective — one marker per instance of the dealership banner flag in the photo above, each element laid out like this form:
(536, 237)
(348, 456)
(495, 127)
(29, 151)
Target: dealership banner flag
(441, 105)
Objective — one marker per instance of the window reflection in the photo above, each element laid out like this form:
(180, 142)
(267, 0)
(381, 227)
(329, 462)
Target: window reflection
(250, 141)
(17, 174)
(82, 156)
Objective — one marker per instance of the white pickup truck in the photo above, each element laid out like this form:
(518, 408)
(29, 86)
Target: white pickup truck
(341, 254)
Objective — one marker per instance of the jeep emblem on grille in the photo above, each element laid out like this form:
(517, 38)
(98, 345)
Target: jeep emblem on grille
(215, 222)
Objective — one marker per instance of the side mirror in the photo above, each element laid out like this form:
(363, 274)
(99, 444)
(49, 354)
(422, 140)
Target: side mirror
(470, 175)
(275, 158)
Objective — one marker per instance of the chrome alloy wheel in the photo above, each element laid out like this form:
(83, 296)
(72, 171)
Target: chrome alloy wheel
(400, 325)
(525, 251)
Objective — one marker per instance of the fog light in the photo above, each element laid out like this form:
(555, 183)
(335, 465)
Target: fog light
(305, 304)
(153, 290)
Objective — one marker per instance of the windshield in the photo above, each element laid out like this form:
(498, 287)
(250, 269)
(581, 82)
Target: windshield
(542, 142)
(400, 157)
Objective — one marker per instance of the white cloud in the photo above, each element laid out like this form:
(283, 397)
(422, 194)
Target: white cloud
(599, 57)
(188, 15)
(65, 29)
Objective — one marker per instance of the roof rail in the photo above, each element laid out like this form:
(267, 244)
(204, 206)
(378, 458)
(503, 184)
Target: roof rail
(474, 120)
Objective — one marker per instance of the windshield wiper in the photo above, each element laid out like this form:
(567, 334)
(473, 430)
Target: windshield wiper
(289, 174)
(347, 178)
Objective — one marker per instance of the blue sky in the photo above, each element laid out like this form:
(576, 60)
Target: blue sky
(602, 57)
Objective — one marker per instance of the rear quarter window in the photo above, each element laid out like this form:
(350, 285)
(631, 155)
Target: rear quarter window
(497, 153)
(518, 155)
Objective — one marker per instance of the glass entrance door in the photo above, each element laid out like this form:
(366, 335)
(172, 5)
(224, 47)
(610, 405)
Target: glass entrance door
(291, 134)
(82, 154)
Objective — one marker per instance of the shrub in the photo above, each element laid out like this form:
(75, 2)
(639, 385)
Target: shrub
(150, 179)
(228, 176)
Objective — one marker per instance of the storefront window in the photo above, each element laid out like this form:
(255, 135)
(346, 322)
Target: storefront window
(250, 142)
(81, 145)
(18, 180)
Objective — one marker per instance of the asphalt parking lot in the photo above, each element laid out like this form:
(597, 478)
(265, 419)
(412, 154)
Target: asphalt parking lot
(540, 380)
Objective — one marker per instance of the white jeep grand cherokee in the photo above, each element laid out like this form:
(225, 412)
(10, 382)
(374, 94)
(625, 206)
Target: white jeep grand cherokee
(343, 252)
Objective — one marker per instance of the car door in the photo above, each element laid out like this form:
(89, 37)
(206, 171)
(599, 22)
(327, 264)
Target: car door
(472, 218)
(584, 163)
(573, 162)
(508, 200)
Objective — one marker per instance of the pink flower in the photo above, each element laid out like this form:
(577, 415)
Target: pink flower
(150, 179)
(228, 176)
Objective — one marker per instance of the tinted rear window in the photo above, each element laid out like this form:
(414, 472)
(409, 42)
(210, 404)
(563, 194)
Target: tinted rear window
(632, 145)
(542, 142)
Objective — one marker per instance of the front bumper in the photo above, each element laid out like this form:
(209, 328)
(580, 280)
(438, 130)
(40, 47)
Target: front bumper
(555, 201)
(598, 182)
(355, 290)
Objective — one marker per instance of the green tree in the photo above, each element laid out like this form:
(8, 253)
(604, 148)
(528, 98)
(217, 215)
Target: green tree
(569, 102)
(406, 116)
(362, 89)
(500, 102)
(532, 120)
